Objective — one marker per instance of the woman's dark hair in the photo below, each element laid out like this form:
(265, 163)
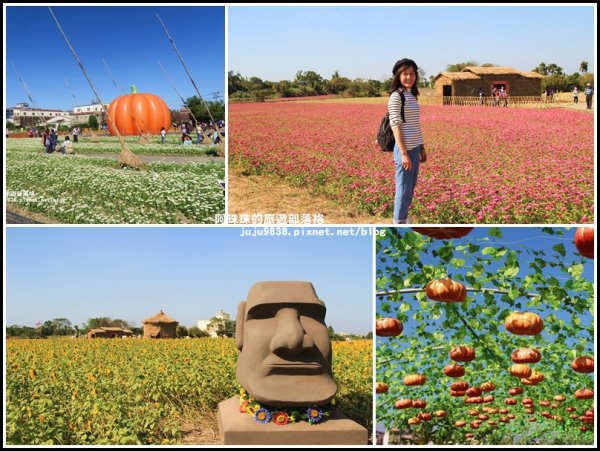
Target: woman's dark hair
(399, 67)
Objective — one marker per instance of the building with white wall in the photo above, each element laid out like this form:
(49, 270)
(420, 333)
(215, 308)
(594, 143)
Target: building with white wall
(204, 324)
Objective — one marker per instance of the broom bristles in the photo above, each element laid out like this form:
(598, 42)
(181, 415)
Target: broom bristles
(128, 159)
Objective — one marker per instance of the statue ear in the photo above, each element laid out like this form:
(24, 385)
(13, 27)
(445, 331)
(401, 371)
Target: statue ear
(240, 319)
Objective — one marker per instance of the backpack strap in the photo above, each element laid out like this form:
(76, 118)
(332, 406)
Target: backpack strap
(402, 102)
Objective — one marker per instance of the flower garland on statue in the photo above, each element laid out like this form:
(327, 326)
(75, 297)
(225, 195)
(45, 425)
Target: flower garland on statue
(280, 416)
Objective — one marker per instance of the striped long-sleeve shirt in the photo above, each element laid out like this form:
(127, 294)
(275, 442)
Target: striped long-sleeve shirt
(411, 129)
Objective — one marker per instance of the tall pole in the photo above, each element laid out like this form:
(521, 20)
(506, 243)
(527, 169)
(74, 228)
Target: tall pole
(222, 143)
(121, 92)
(127, 157)
(175, 88)
(31, 99)
(71, 91)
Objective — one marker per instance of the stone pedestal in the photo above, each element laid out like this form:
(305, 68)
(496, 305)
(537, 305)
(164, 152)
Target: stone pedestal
(237, 428)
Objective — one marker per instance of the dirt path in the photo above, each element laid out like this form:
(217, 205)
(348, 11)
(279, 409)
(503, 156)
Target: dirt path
(160, 158)
(250, 194)
(202, 431)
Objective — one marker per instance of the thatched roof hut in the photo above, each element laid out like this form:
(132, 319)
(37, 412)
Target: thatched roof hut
(471, 79)
(160, 325)
(109, 332)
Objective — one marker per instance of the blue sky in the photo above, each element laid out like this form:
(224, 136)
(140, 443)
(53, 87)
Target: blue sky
(365, 41)
(132, 272)
(129, 39)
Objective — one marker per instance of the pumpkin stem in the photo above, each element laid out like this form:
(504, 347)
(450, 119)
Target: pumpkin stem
(133, 89)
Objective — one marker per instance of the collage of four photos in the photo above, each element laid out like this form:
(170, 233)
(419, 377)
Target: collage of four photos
(352, 225)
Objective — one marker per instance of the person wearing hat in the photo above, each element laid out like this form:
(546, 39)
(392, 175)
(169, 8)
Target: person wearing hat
(409, 150)
(589, 94)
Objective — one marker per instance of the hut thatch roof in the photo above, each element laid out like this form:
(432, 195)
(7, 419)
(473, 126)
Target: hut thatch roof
(494, 70)
(457, 76)
(160, 318)
(530, 74)
(116, 329)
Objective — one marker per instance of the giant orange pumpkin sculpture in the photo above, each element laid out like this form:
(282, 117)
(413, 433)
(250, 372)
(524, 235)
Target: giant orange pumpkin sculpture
(135, 114)
(584, 241)
(443, 233)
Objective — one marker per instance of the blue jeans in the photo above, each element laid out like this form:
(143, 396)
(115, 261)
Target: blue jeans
(406, 181)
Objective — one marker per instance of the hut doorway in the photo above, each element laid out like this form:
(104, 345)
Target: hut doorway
(447, 93)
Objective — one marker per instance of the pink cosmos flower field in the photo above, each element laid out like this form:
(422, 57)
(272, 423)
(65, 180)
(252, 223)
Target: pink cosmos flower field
(485, 165)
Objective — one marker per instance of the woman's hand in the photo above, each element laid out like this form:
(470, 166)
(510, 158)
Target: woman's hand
(406, 164)
(423, 155)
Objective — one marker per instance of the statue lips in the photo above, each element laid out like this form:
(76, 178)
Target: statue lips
(310, 365)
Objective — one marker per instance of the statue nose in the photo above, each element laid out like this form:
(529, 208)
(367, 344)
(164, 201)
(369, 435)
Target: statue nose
(290, 336)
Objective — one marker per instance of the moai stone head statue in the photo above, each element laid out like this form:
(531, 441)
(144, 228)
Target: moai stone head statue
(285, 357)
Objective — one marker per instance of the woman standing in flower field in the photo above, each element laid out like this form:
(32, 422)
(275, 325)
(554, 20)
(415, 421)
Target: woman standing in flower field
(409, 150)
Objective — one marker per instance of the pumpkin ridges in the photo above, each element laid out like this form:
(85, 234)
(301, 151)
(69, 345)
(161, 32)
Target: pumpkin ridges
(583, 365)
(524, 323)
(139, 113)
(446, 290)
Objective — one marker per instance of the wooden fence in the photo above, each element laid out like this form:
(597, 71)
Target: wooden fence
(510, 101)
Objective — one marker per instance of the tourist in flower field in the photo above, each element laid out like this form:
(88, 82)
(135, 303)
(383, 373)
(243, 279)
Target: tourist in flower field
(575, 95)
(199, 134)
(67, 147)
(163, 134)
(75, 134)
(589, 94)
(409, 150)
(503, 96)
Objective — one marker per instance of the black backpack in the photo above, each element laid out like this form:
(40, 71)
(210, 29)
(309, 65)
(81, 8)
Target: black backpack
(385, 136)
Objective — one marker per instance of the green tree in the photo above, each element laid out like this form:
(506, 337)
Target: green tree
(235, 82)
(541, 69)
(197, 333)
(93, 122)
(182, 331)
(338, 85)
(216, 108)
(310, 81)
(222, 327)
(62, 326)
(583, 67)
(460, 66)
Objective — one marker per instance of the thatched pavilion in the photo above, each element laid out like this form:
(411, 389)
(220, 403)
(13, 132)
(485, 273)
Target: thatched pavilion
(470, 80)
(109, 332)
(160, 325)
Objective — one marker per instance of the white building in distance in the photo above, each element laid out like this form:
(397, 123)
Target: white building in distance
(22, 115)
(203, 324)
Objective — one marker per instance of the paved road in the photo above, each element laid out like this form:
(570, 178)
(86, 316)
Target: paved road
(13, 218)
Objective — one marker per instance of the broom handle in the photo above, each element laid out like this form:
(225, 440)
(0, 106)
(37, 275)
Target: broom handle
(28, 93)
(191, 79)
(175, 88)
(120, 91)
(88, 79)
